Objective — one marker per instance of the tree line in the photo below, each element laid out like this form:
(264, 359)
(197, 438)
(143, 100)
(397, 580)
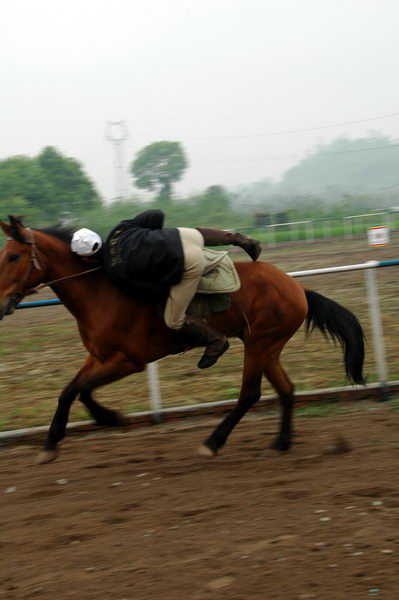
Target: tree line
(334, 179)
(342, 177)
(51, 188)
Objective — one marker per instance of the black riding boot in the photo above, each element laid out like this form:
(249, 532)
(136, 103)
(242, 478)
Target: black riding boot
(218, 237)
(197, 333)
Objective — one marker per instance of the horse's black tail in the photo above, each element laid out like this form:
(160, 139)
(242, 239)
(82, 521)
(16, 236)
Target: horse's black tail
(340, 324)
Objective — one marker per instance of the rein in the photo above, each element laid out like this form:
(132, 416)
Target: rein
(34, 263)
(43, 285)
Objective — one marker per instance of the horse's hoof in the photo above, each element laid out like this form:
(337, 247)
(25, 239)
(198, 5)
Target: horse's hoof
(281, 446)
(46, 456)
(121, 420)
(206, 451)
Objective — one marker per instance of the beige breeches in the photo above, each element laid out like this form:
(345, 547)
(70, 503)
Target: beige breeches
(181, 294)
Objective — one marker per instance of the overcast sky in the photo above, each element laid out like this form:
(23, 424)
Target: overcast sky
(204, 72)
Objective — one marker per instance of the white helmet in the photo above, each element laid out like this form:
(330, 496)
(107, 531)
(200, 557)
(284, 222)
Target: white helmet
(85, 242)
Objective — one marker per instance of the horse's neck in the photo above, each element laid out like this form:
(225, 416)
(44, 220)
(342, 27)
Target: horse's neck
(79, 292)
(91, 296)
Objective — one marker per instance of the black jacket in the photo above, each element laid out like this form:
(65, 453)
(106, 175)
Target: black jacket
(142, 258)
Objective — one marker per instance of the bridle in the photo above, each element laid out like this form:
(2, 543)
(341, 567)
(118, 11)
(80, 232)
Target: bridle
(36, 263)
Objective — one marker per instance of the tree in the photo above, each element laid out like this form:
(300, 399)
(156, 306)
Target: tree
(45, 188)
(71, 187)
(214, 202)
(157, 166)
(24, 188)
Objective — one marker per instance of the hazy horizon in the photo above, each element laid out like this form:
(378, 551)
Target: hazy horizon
(229, 79)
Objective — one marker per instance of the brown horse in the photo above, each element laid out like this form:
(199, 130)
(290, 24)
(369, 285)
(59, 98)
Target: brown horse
(122, 334)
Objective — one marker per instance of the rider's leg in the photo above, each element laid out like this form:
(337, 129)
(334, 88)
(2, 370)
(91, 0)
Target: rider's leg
(182, 293)
(193, 331)
(218, 237)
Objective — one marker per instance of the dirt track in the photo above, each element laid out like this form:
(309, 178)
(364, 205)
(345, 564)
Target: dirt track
(139, 515)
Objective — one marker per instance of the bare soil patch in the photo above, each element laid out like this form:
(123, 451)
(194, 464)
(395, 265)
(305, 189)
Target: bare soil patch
(139, 515)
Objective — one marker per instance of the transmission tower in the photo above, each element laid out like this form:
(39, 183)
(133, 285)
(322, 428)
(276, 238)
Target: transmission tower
(117, 133)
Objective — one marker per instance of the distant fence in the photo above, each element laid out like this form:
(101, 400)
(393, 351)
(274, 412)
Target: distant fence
(375, 315)
(311, 230)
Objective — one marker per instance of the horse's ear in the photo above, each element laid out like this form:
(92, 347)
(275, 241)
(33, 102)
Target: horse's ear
(5, 227)
(16, 229)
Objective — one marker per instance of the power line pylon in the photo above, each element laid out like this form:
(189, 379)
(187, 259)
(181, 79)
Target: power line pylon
(117, 133)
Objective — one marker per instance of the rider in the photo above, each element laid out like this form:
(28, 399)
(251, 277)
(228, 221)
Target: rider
(154, 262)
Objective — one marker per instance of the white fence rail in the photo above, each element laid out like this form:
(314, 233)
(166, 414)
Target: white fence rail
(375, 316)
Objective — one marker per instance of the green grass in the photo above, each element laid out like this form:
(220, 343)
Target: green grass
(322, 409)
(393, 403)
(231, 393)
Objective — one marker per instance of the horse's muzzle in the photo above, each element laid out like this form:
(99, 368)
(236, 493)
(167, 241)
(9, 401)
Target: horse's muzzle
(7, 306)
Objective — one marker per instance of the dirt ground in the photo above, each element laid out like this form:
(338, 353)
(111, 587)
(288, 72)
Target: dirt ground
(137, 515)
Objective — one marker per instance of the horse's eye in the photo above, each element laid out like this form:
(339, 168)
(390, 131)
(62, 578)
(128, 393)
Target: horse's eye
(13, 257)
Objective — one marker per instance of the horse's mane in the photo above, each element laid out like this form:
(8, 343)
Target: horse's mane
(64, 234)
(58, 231)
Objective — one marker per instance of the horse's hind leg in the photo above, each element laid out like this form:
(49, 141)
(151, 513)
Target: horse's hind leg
(275, 373)
(249, 395)
(106, 417)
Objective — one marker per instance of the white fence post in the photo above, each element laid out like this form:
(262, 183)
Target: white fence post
(155, 393)
(347, 227)
(309, 231)
(327, 229)
(376, 324)
(272, 230)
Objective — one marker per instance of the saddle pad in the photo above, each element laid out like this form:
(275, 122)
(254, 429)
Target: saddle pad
(220, 278)
(204, 305)
(220, 275)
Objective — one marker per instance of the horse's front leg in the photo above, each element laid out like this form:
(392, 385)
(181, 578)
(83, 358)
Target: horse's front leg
(92, 374)
(58, 424)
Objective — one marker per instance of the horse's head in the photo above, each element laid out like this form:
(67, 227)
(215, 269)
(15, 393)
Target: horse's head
(20, 266)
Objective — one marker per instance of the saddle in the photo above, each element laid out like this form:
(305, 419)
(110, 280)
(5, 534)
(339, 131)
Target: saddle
(219, 280)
